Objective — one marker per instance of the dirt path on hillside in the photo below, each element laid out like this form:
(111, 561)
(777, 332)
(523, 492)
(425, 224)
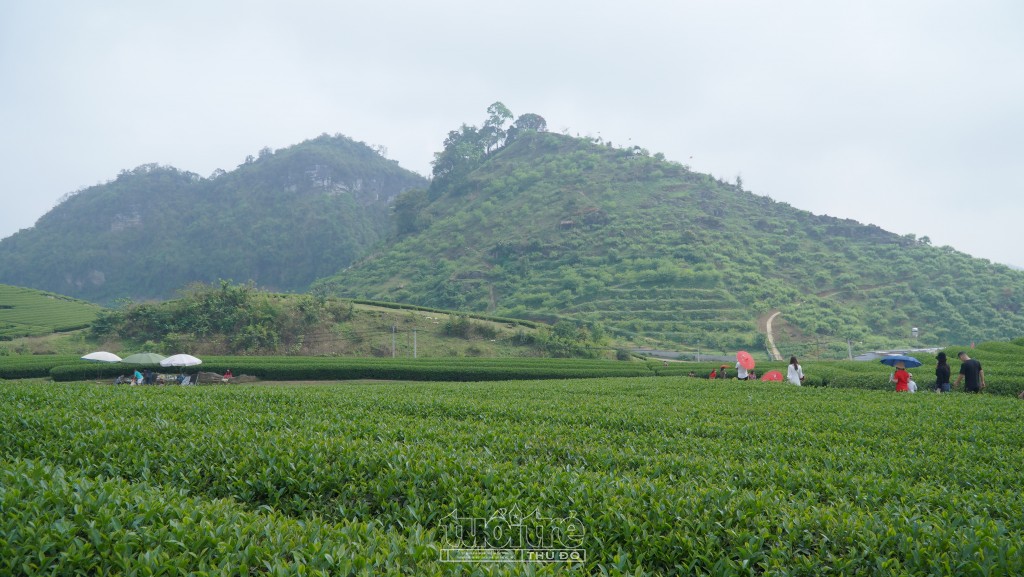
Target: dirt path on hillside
(764, 322)
(764, 325)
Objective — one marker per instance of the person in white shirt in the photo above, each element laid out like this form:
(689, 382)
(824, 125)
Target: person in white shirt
(741, 371)
(794, 373)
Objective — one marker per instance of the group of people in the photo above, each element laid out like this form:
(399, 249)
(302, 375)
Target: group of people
(721, 372)
(794, 373)
(148, 377)
(742, 373)
(144, 377)
(971, 374)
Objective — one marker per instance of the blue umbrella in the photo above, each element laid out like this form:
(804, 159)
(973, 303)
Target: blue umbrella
(909, 362)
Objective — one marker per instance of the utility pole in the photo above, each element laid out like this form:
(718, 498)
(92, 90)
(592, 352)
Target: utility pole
(849, 348)
(414, 343)
(393, 341)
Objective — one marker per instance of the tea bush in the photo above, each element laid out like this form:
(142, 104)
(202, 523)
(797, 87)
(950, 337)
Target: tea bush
(665, 475)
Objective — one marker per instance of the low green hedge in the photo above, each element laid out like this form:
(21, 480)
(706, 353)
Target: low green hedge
(349, 369)
(36, 366)
(1003, 362)
(400, 306)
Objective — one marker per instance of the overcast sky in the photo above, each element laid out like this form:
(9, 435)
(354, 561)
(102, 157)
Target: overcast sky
(904, 114)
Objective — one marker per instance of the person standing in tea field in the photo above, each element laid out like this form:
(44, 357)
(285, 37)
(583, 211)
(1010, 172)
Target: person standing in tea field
(741, 371)
(942, 374)
(971, 372)
(901, 377)
(794, 372)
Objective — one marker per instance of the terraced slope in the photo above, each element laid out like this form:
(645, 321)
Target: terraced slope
(556, 228)
(29, 312)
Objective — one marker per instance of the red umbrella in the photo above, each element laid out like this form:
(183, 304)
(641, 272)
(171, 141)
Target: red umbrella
(772, 376)
(745, 360)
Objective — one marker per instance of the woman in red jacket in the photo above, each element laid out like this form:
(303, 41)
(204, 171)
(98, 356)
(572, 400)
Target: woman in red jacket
(902, 377)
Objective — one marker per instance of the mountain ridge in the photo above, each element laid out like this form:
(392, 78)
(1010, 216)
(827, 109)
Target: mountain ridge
(522, 223)
(560, 228)
(281, 220)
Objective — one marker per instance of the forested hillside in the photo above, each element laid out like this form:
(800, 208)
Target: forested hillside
(522, 223)
(282, 220)
(545, 226)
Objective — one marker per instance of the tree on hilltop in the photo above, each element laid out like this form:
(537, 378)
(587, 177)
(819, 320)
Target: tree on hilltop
(466, 148)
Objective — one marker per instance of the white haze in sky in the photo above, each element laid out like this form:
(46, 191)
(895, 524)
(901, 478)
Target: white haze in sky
(908, 115)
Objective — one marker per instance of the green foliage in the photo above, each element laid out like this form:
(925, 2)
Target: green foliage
(550, 227)
(516, 223)
(282, 221)
(527, 122)
(411, 307)
(346, 369)
(240, 319)
(64, 522)
(244, 319)
(663, 476)
(28, 312)
(466, 149)
(34, 366)
(457, 326)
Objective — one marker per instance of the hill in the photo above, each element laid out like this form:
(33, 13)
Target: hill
(26, 312)
(232, 319)
(282, 220)
(550, 227)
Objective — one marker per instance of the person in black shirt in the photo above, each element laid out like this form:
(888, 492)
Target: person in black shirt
(941, 374)
(970, 370)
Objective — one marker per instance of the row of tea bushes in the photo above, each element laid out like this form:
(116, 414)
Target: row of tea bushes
(663, 475)
(36, 366)
(1003, 362)
(341, 369)
(61, 522)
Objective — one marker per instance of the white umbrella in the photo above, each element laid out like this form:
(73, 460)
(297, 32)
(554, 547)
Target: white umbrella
(180, 361)
(102, 357)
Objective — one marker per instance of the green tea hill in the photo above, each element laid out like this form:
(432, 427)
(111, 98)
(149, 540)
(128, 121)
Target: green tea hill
(27, 312)
(550, 227)
(281, 220)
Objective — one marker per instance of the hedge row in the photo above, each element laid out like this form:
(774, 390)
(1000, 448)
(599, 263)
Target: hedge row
(73, 368)
(350, 369)
(399, 306)
(34, 366)
(1003, 362)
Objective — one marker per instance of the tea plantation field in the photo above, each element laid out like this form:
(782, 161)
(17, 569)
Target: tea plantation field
(27, 312)
(638, 476)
